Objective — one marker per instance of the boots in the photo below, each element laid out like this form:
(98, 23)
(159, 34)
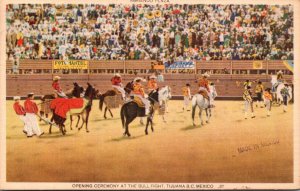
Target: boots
(268, 113)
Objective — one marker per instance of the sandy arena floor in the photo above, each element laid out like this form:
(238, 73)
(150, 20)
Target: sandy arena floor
(228, 149)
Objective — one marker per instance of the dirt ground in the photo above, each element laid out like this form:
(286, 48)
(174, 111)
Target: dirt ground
(228, 149)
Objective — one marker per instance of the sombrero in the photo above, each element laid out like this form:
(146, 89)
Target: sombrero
(56, 78)
(30, 94)
(137, 78)
(279, 72)
(118, 75)
(152, 77)
(205, 74)
(17, 98)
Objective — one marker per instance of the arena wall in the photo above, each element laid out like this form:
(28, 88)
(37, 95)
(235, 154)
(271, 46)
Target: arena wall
(36, 75)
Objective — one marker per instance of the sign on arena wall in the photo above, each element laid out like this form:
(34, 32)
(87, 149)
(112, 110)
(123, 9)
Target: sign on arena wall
(180, 65)
(70, 64)
(257, 65)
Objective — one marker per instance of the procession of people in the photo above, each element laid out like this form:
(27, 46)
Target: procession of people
(141, 88)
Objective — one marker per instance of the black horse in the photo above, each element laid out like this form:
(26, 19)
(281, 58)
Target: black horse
(90, 94)
(131, 110)
(127, 89)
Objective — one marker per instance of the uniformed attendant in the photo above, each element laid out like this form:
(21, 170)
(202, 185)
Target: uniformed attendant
(268, 100)
(247, 83)
(247, 96)
(152, 84)
(20, 111)
(31, 110)
(259, 89)
(186, 91)
(138, 90)
(285, 95)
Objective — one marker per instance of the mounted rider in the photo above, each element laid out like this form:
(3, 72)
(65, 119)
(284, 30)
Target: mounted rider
(116, 82)
(203, 87)
(138, 91)
(152, 84)
(279, 80)
(56, 87)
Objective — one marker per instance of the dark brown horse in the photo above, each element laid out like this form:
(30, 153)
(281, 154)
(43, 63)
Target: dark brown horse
(102, 97)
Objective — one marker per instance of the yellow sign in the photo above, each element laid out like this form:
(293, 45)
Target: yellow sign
(257, 65)
(70, 64)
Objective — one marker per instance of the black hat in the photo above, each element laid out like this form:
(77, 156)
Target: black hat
(187, 84)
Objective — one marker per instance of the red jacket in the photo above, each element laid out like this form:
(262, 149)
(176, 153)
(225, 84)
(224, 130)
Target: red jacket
(30, 106)
(19, 109)
(116, 81)
(204, 83)
(56, 86)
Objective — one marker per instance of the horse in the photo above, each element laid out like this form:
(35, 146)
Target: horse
(77, 92)
(118, 101)
(278, 99)
(130, 110)
(58, 105)
(203, 104)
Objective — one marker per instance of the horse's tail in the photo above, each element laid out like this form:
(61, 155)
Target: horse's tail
(101, 101)
(122, 113)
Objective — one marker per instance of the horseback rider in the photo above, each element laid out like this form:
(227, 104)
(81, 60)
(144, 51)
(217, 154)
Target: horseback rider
(56, 87)
(116, 82)
(152, 84)
(138, 91)
(279, 80)
(247, 96)
(203, 87)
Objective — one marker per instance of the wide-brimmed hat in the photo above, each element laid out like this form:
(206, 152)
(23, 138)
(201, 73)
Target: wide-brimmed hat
(118, 75)
(152, 77)
(137, 78)
(56, 78)
(205, 74)
(279, 72)
(17, 98)
(30, 94)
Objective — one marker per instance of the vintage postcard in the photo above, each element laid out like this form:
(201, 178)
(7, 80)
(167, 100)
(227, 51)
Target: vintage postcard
(150, 94)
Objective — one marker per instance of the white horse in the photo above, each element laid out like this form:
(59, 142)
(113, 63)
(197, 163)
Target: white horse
(164, 94)
(202, 103)
(277, 91)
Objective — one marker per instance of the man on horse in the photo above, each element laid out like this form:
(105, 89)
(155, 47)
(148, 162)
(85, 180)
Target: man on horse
(116, 82)
(57, 88)
(152, 84)
(203, 87)
(138, 91)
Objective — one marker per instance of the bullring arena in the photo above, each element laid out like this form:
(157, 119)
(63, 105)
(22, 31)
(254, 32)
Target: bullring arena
(228, 149)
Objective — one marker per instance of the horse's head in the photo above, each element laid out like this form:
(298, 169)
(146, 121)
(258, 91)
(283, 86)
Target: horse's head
(91, 92)
(165, 93)
(129, 87)
(77, 90)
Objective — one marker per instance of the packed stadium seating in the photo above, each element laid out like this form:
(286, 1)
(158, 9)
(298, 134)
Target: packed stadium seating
(143, 32)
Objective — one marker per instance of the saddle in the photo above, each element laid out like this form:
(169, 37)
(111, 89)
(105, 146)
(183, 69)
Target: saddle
(117, 91)
(204, 94)
(138, 101)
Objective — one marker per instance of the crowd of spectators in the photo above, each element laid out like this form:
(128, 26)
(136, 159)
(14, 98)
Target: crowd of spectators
(159, 32)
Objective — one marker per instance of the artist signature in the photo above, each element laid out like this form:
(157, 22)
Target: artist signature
(257, 146)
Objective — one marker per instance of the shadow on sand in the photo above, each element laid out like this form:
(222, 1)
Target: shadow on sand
(190, 127)
(124, 138)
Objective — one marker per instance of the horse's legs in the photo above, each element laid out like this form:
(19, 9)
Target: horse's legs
(78, 118)
(200, 116)
(71, 121)
(83, 119)
(110, 113)
(128, 121)
(141, 121)
(193, 114)
(86, 121)
(51, 120)
(41, 114)
(105, 113)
